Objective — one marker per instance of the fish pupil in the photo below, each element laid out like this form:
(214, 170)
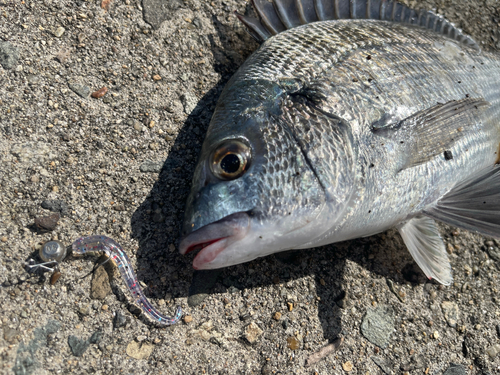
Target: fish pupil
(230, 163)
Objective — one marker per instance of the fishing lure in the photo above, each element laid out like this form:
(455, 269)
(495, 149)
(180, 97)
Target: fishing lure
(103, 244)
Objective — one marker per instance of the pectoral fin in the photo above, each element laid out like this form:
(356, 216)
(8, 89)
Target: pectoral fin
(422, 239)
(473, 204)
(431, 132)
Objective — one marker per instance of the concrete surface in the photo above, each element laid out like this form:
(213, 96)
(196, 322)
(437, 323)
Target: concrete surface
(121, 165)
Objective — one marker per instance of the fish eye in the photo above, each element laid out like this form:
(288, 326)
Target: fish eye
(230, 160)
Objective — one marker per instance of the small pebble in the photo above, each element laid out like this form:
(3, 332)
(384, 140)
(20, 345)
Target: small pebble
(290, 306)
(187, 319)
(493, 350)
(8, 55)
(96, 337)
(63, 55)
(78, 346)
(277, 315)
(55, 276)
(435, 335)
(455, 369)
(100, 93)
(120, 320)
(100, 286)
(4, 239)
(59, 31)
(292, 343)
(105, 4)
(449, 248)
(139, 350)
(156, 77)
(451, 313)
(347, 366)
(10, 335)
(252, 333)
(81, 90)
(47, 223)
(84, 310)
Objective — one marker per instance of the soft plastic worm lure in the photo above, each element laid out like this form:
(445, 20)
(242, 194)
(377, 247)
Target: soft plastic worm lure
(103, 244)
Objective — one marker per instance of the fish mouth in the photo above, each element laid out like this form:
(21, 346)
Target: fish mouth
(214, 238)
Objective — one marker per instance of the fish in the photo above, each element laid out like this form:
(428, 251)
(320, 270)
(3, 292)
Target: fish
(352, 117)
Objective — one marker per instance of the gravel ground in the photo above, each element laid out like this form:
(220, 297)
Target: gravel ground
(121, 164)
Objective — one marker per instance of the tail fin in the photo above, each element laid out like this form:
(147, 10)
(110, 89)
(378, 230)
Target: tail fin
(281, 15)
(473, 204)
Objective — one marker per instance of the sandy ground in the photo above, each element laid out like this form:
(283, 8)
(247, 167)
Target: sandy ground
(121, 165)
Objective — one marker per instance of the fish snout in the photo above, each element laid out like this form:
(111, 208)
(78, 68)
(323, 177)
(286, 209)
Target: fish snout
(213, 238)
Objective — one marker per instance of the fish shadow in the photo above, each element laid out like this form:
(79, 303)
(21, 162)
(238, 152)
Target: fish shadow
(168, 275)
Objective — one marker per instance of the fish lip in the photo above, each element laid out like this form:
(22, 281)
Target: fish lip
(215, 237)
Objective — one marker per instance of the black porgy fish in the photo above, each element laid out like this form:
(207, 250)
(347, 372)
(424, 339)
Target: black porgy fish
(351, 118)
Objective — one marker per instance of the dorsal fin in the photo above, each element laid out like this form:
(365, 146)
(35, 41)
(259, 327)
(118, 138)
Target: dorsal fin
(279, 15)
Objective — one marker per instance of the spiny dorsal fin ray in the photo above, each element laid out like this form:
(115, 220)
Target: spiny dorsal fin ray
(280, 15)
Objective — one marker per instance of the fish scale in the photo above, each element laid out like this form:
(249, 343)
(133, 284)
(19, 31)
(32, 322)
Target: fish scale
(354, 126)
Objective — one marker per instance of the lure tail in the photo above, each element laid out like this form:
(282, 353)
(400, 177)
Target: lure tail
(103, 244)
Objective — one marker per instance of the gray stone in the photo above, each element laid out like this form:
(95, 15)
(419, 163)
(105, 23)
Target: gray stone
(96, 337)
(26, 361)
(120, 320)
(384, 364)
(455, 369)
(80, 90)
(189, 101)
(157, 11)
(378, 325)
(151, 167)
(8, 55)
(78, 346)
(56, 205)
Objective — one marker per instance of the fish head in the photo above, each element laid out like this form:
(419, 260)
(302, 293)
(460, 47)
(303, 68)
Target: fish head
(253, 191)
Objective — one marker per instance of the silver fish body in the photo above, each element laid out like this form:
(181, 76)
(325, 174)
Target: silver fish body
(351, 127)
